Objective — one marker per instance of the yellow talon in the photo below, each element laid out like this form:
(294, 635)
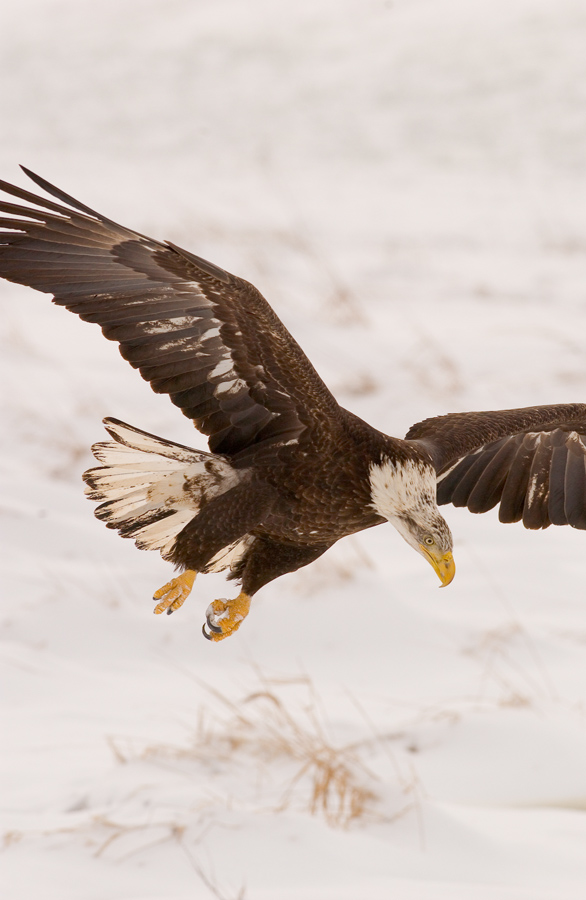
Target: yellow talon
(174, 594)
(224, 617)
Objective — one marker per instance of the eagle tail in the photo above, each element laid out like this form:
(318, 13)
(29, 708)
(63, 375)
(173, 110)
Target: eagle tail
(150, 488)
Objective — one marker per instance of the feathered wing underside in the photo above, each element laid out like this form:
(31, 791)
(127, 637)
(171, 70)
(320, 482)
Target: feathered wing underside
(532, 461)
(195, 332)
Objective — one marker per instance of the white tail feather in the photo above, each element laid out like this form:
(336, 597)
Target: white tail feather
(150, 488)
(229, 556)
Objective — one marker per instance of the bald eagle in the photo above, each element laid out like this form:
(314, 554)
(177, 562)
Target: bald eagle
(289, 471)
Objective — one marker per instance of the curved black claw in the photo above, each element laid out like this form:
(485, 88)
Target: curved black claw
(207, 636)
(212, 627)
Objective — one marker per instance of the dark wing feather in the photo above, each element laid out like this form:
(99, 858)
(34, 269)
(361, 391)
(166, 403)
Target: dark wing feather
(195, 332)
(517, 481)
(487, 490)
(532, 461)
(575, 484)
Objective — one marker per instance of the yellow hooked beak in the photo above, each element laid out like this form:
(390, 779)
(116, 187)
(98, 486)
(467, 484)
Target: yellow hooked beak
(444, 566)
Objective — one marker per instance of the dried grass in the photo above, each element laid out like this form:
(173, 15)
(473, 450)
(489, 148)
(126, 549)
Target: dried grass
(107, 832)
(329, 778)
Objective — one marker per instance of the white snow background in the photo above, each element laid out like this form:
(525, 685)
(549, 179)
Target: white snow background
(406, 183)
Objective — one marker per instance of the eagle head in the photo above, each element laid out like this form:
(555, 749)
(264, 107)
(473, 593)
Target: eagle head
(403, 491)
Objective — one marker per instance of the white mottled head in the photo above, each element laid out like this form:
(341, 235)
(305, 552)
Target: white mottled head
(404, 493)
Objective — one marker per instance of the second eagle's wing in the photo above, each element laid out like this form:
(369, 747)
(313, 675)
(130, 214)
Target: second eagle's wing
(532, 461)
(195, 332)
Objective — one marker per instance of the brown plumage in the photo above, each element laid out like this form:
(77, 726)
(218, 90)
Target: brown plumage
(530, 460)
(289, 471)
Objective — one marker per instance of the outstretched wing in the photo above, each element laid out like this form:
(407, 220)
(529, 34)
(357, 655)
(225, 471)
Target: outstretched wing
(532, 461)
(195, 332)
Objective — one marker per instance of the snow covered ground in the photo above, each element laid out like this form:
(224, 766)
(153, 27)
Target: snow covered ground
(406, 182)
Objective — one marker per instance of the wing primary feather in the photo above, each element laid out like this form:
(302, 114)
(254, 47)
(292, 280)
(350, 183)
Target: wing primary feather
(465, 484)
(575, 483)
(488, 489)
(535, 511)
(515, 487)
(60, 195)
(557, 478)
(447, 483)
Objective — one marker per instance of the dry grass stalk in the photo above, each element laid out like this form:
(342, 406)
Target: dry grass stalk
(331, 778)
(116, 831)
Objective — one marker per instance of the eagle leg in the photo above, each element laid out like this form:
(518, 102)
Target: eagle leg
(224, 617)
(174, 594)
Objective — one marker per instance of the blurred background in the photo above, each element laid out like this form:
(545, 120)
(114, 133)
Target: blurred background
(405, 182)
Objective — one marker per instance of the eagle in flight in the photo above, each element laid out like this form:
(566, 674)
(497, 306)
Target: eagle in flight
(289, 471)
